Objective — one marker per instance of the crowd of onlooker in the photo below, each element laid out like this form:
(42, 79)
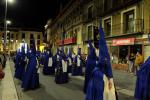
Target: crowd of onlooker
(134, 62)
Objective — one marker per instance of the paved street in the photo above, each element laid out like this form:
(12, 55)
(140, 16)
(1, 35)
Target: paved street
(73, 90)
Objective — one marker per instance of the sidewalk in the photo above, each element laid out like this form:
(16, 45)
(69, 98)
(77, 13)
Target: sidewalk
(7, 86)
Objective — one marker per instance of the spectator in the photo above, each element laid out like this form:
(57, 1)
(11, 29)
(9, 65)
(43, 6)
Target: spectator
(131, 62)
(138, 61)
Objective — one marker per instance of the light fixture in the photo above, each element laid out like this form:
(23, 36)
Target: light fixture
(8, 22)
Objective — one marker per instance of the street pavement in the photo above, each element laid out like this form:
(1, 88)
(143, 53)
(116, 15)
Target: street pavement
(125, 84)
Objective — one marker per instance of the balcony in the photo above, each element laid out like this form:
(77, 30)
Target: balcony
(136, 26)
(117, 5)
(70, 40)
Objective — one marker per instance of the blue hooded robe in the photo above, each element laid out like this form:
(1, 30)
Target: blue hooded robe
(48, 68)
(70, 59)
(90, 65)
(61, 76)
(20, 64)
(77, 69)
(31, 77)
(95, 88)
(142, 90)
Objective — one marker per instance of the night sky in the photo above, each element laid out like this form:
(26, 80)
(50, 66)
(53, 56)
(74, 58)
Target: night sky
(31, 13)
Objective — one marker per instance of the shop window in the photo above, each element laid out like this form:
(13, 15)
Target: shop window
(90, 32)
(107, 27)
(136, 48)
(129, 21)
(123, 53)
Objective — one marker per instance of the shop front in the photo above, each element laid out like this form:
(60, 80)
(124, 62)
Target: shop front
(121, 50)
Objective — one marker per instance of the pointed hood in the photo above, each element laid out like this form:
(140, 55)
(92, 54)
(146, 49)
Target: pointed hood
(33, 47)
(104, 57)
(103, 50)
(92, 53)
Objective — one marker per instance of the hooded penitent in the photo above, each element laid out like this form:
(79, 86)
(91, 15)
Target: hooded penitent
(49, 68)
(77, 69)
(20, 64)
(70, 59)
(96, 87)
(31, 77)
(90, 64)
(142, 90)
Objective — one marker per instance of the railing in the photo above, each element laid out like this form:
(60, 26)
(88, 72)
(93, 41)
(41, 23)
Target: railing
(134, 26)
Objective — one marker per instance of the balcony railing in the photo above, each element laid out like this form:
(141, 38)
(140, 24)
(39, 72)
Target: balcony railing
(135, 26)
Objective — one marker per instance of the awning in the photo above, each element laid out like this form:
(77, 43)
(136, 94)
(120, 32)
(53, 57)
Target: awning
(123, 41)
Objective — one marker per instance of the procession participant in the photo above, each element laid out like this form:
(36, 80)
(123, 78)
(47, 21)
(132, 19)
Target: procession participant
(31, 76)
(20, 64)
(59, 69)
(64, 69)
(70, 59)
(143, 81)
(90, 65)
(101, 86)
(77, 68)
(48, 68)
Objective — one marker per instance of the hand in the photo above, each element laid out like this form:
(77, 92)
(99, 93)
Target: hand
(109, 84)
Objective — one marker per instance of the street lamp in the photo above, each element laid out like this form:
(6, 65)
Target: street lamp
(6, 22)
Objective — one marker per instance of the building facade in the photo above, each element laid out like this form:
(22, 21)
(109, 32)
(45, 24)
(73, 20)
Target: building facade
(15, 38)
(126, 24)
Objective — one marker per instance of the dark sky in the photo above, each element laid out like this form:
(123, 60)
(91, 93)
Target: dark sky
(31, 13)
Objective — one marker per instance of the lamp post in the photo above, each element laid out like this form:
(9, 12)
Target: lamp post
(6, 22)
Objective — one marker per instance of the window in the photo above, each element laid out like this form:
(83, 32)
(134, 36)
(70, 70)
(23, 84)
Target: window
(107, 27)
(90, 32)
(16, 36)
(23, 35)
(12, 35)
(31, 36)
(38, 42)
(38, 36)
(129, 22)
(8, 36)
(31, 40)
(90, 12)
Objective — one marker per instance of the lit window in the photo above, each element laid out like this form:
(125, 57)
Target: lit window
(129, 22)
(107, 27)
(90, 32)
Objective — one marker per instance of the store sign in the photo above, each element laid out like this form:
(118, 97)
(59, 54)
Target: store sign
(123, 41)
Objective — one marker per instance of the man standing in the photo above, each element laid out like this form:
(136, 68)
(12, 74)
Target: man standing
(131, 62)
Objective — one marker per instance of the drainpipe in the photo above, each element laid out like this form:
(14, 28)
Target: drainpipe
(142, 15)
